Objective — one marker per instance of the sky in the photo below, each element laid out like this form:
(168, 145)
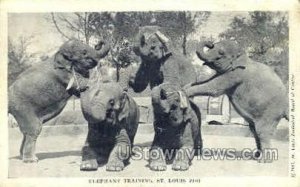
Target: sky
(47, 39)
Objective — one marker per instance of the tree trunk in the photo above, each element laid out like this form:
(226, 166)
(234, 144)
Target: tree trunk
(184, 44)
(184, 35)
(118, 73)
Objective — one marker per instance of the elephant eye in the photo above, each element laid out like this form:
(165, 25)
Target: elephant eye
(152, 47)
(84, 52)
(173, 107)
(112, 102)
(142, 40)
(221, 52)
(163, 94)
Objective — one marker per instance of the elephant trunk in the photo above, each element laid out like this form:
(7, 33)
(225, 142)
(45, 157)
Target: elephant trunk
(98, 113)
(144, 34)
(155, 95)
(159, 101)
(206, 57)
(94, 112)
(102, 49)
(138, 47)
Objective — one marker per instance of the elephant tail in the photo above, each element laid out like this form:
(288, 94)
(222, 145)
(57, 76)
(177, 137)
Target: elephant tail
(286, 116)
(197, 110)
(10, 107)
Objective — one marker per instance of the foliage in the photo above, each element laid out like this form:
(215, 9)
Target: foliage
(18, 57)
(120, 28)
(264, 36)
(122, 56)
(178, 25)
(75, 25)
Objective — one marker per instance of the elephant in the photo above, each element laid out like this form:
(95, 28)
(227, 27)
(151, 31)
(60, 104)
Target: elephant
(177, 128)
(113, 118)
(41, 92)
(160, 62)
(253, 88)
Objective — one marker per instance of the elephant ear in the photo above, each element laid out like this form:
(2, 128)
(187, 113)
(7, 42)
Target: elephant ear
(235, 64)
(60, 62)
(236, 52)
(65, 56)
(124, 107)
(164, 41)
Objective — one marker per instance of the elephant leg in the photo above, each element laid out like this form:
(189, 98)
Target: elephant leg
(198, 145)
(89, 157)
(120, 153)
(22, 145)
(198, 142)
(31, 126)
(263, 131)
(186, 152)
(29, 149)
(157, 160)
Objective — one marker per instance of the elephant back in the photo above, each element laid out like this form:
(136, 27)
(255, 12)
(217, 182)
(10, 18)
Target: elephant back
(187, 71)
(177, 69)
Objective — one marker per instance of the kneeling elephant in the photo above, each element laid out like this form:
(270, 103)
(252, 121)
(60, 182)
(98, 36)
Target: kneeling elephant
(177, 128)
(113, 118)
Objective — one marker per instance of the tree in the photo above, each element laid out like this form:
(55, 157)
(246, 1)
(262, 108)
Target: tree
(264, 36)
(114, 27)
(121, 28)
(178, 25)
(75, 24)
(123, 56)
(18, 56)
(125, 25)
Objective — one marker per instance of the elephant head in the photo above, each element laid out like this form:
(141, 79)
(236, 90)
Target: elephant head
(221, 56)
(151, 45)
(170, 102)
(105, 102)
(80, 56)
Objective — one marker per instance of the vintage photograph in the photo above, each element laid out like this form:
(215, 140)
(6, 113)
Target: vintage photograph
(148, 93)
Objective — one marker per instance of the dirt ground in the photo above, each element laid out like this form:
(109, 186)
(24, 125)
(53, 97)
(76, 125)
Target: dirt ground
(59, 156)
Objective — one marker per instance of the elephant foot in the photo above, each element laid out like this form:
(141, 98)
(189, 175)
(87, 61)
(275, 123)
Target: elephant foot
(116, 165)
(158, 165)
(263, 157)
(264, 161)
(32, 159)
(180, 165)
(89, 165)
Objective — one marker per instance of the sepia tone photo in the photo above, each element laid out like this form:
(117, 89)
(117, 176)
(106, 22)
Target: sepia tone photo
(139, 94)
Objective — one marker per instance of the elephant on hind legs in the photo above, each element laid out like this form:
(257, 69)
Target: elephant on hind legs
(41, 92)
(254, 89)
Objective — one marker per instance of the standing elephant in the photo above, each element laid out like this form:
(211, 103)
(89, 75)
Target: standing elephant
(113, 118)
(160, 62)
(253, 88)
(177, 128)
(42, 91)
